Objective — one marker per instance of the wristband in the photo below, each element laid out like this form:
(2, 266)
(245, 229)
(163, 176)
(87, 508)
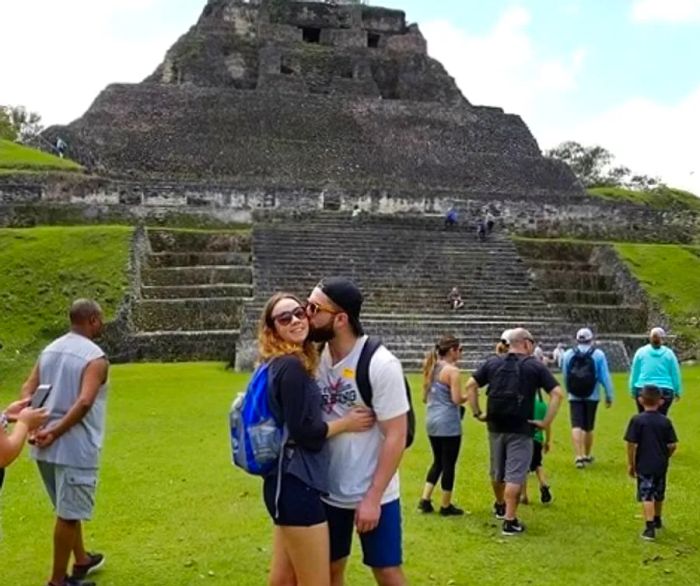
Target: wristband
(3, 420)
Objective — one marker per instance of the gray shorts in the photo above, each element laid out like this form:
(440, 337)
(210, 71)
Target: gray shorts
(511, 455)
(72, 490)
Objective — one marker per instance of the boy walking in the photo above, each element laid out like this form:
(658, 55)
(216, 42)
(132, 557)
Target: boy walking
(651, 441)
(541, 443)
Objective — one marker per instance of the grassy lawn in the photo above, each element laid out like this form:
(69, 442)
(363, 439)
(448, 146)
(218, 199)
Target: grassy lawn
(18, 157)
(671, 276)
(173, 511)
(661, 197)
(43, 270)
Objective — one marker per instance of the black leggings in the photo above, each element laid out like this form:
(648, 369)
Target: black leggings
(445, 452)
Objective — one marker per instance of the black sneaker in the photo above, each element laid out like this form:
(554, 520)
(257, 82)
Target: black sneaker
(97, 560)
(545, 495)
(589, 459)
(451, 511)
(499, 510)
(425, 506)
(72, 582)
(580, 463)
(649, 534)
(513, 527)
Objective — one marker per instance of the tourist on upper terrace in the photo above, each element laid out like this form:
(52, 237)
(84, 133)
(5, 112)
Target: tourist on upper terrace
(558, 355)
(451, 218)
(61, 147)
(481, 230)
(585, 370)
(513, 380)
(656, 364)
(442, 392)
(363, 487)
(356, 213)
(490, 223)
(67, 450)
(26, 420)
(455, 299)
(300, 551)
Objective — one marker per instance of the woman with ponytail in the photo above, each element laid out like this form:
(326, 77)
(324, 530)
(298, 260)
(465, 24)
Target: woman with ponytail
(442, 391)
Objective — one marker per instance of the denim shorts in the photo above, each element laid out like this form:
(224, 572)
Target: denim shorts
(72, 490)
(299, 505)
(651, 488)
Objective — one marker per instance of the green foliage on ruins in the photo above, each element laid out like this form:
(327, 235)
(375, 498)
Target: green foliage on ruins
(660, 197)
(43, 270)
(16, 157)
(671, 276)
(172, 511)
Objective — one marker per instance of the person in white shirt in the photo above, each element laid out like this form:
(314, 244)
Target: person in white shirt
(363, 476)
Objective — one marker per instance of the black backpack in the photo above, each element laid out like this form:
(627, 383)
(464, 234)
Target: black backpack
(507, 403)
(362, 379)
(581, 378)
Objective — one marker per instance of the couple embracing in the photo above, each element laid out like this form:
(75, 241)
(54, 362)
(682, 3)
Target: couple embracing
(339, 471)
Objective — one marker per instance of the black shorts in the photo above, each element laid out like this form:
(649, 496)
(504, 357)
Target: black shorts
(299, 504)
(583, 414)
(536, 456)
(651, 488)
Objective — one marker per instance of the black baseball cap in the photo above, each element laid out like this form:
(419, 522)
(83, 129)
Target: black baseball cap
(347, 296)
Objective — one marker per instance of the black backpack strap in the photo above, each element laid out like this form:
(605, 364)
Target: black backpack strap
(372, 344)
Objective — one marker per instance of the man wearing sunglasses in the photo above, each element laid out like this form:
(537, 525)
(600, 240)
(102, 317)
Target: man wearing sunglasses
(513, 380)
(363, 475)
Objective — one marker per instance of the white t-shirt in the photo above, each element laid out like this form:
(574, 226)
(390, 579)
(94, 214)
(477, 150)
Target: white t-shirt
(354, 456)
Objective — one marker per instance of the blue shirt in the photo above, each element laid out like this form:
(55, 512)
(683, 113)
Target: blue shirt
(602, 373)
(656, 366)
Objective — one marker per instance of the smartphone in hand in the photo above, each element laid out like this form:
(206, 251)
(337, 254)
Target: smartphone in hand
(40, 396)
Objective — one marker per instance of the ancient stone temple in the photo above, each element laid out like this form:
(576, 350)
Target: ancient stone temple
(310, 95)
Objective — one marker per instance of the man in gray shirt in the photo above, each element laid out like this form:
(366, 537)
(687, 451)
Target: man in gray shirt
(67, 448)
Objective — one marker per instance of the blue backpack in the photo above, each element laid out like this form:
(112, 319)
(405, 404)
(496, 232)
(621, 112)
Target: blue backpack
(257, 434)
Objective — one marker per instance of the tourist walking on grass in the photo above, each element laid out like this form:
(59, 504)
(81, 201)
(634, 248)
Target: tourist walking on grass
(651, 441)
(26, 420)
(542, 441)
(300, 551)
(442, 392)
(656, 364)
(585, 370)
(513, 380)
(363, 491)
(67, 450)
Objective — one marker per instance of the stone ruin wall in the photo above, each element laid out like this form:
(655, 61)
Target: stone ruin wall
(25, 201)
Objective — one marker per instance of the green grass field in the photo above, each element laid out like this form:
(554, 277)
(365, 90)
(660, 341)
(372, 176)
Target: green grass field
(173, 511)
(43, 270)
(671, 276)
(661, 197)
(16, 157)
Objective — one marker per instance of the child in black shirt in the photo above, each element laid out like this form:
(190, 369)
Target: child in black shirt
(651, 441)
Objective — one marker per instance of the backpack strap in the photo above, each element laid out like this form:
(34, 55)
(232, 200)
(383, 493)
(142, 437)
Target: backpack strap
(372, 344)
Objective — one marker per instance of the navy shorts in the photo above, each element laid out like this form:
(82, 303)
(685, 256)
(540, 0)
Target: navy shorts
(381, 547)
(651, 488)
(299, 504)
(583, 414)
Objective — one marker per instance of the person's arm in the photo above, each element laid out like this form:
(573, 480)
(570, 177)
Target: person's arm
(634, 373)
(556, 395)
(473, 399)
(11, 445)
(358, 419)
(94, 376)
(676, 377)
(30, 385)
(455, 380)
(604, 378)
(671, 449)
(394, 432)
(547, 438)
(631, 459)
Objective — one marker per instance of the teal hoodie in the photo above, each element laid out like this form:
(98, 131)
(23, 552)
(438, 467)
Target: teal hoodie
(656, 366)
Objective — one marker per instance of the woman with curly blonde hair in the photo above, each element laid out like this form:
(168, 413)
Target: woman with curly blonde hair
(301, 550)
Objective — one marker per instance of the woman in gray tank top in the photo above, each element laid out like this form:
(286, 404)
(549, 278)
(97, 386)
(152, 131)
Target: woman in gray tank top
(442, 392)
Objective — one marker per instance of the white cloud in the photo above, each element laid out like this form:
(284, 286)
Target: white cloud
(666, 11)
(504, 66)
(650, 138)
(57, 56)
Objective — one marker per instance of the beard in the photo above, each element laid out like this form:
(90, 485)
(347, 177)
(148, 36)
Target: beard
(322, 334)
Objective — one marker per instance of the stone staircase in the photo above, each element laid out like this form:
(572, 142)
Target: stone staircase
(406, 268)
(192, 288)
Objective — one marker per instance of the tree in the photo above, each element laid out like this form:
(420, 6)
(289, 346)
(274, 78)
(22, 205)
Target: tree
(589, 164)
(19, 124)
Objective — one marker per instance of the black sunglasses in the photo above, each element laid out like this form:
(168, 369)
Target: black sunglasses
(285, 318)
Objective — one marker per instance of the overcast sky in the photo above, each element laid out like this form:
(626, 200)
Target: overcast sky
(624, 74)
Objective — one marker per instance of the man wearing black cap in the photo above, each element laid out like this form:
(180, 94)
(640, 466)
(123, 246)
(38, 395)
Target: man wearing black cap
(363, 475)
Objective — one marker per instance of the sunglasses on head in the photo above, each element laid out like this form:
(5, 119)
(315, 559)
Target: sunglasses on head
(285, 317)
(530, 340)
(312, 308)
